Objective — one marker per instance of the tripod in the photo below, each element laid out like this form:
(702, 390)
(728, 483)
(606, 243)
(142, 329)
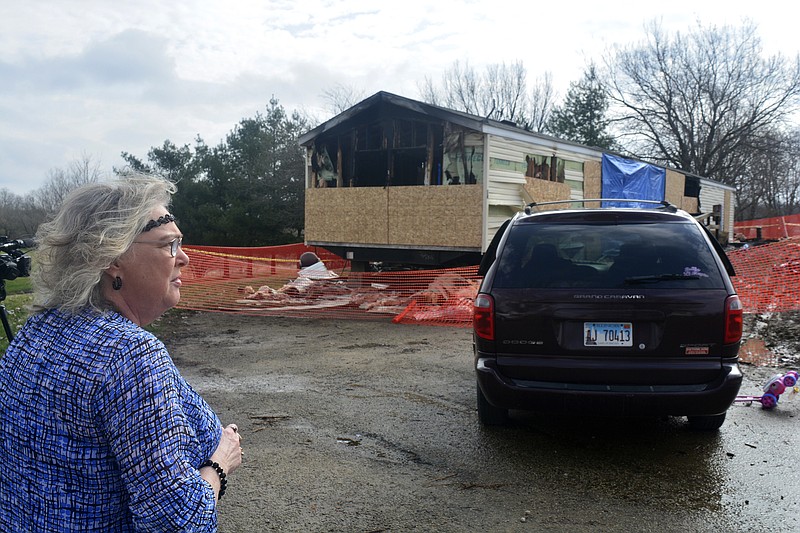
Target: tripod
(3, 314)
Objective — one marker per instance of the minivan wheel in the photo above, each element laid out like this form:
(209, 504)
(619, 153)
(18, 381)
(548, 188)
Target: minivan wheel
(706, 423)
(488, 414)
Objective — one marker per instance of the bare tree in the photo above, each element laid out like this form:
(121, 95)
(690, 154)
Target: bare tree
(8, 204)
(772, 187)
(460, 90)
(790, 188)
(429, 92)
(61, 181)
(505, 91)
(542, 102)
(500, 93)
(342, 97)
(705, 102)
(19, 217)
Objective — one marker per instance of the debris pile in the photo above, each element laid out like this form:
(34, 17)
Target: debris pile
(447, 297)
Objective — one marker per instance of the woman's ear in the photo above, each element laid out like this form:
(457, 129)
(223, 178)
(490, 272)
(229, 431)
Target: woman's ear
(114, 268)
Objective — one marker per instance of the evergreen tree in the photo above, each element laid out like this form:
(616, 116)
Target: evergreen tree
(247, 191)
(582, 118)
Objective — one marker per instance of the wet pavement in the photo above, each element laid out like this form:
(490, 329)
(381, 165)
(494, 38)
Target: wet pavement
(743, 478)
(372, 427)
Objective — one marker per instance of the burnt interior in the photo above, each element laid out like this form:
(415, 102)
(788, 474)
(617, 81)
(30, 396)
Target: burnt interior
(377, 150)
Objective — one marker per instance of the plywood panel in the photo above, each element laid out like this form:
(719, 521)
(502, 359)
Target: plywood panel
(592, 182)
(675, 186)
(730, 205)
(435, 216)
(689, 204)
(346, 215)
(547, 191)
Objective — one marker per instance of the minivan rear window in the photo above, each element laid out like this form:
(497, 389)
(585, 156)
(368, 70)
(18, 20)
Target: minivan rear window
(598, 255)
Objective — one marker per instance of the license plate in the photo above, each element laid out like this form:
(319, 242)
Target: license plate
(607, 334)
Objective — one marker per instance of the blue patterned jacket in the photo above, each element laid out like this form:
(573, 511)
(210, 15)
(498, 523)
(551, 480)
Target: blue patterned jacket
(99, 431)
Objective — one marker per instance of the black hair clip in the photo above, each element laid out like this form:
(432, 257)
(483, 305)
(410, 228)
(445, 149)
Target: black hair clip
(163, 219)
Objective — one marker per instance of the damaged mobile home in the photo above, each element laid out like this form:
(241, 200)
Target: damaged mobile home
(395, 180)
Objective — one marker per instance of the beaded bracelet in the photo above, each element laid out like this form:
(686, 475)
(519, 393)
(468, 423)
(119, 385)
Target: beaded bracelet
(223, 482)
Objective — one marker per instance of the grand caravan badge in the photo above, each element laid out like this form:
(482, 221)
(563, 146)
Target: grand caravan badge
(696, 350)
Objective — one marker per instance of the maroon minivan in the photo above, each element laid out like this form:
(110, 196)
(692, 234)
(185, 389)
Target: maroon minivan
(622, 311)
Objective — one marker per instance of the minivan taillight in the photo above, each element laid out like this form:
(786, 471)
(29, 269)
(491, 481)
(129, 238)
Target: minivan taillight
(733, 320)
(483, 316)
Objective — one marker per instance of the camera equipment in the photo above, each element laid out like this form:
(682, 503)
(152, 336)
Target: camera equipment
(13, 264)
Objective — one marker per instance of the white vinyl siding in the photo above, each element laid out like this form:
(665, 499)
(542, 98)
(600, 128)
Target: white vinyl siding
(711, 194)
(574, 178)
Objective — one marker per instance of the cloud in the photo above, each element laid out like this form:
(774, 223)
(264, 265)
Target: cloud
(131, 57)
(55, 108)
(97, 77)
(119, 93)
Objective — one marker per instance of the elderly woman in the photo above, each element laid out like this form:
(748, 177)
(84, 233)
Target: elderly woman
(99, 430)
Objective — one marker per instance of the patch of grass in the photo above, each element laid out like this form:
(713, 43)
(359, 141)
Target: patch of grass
(17, 310)
(17, 304)
(19, 285)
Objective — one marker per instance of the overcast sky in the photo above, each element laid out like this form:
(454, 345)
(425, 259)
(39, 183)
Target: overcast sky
(94, 78)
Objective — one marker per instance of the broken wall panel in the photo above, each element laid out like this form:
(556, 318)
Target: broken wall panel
(573, 176)
(462, 157)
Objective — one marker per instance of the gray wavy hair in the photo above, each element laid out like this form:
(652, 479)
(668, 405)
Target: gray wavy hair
(95, 225)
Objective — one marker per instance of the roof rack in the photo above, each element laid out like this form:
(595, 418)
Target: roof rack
(663, 204)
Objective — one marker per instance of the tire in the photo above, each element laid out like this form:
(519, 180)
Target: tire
(488, 414)
(706, 423)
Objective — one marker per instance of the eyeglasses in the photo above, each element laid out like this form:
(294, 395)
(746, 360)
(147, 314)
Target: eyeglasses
(174, 245)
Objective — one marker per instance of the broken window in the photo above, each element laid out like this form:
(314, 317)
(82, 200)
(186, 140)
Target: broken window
(548, 168)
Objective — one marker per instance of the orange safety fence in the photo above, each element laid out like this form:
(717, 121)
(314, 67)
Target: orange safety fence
(287, 253)
(768, 228)
(258, 281)
(768, 276)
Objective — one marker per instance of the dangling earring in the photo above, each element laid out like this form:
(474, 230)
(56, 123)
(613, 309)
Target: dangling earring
(117, 283)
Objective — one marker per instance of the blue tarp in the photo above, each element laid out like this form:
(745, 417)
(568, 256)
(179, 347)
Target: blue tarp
(624, 178)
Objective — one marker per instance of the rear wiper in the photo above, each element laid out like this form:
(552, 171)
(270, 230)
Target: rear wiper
(655, 278)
